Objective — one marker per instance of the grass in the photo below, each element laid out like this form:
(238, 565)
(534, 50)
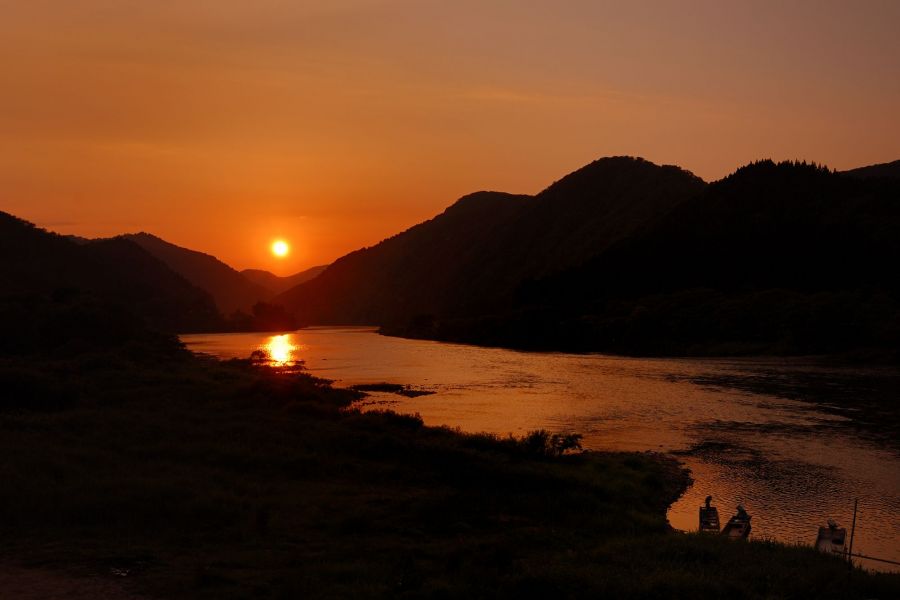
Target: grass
(188, 478)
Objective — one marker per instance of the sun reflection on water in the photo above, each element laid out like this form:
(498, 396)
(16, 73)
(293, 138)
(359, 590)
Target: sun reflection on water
(280, 349)
(792, 464)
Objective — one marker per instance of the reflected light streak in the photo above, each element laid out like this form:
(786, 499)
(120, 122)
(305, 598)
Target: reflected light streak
(280, 349)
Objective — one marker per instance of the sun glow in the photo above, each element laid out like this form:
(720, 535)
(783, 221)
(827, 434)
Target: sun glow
(280, 349)
(280, 248)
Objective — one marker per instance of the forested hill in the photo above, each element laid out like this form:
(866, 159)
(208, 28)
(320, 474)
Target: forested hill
(52, 285)
(627, 256)
(891, 170)
(473, 257)
(230, 289)
(276, 284)
(779, 258)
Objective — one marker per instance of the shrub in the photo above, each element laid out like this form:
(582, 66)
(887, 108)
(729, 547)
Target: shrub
(543, 443)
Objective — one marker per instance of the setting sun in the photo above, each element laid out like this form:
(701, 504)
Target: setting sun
(280, 248)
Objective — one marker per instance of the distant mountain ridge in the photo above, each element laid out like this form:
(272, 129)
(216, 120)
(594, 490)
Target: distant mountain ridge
(129, 286)
(890, 170)
(97, 265)
(275, 284)
(621, 255)
(627, 256)
(45, 272)
(230, 289)
(784, 258)
(473, 256)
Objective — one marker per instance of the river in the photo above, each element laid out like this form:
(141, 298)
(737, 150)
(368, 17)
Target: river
(792, 463)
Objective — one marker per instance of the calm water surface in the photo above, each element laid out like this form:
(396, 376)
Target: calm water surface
(793, 464)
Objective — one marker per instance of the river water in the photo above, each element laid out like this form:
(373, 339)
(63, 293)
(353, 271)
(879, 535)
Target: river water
(793, 464)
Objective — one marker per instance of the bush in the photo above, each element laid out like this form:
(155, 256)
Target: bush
(550, 445)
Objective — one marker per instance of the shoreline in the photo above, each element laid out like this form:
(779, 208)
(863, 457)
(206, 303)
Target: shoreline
(204, 479)
(876, 358)
(503, 407)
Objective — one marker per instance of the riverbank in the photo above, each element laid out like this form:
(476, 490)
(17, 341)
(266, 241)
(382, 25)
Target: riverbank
(550, 335)
(188, 478)
(793, 463)
(860, 387)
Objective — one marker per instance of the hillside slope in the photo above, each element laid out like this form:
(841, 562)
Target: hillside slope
(275, 284)
(784, 258)
(39, 270)
(230, 289)
(471, 258)
(891, 170)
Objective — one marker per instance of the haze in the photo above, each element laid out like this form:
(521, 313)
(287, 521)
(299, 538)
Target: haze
(223, 125)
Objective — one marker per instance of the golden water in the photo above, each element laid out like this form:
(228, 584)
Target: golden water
(790, 463)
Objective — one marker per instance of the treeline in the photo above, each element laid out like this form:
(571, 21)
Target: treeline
(263, 316)
(60, 295)
(786, 258)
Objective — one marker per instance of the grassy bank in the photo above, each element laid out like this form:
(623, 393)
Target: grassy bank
(183, 478)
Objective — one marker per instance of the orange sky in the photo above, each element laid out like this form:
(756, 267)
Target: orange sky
(223, 124)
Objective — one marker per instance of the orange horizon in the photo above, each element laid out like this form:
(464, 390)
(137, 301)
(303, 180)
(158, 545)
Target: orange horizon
(275, 260)
(223, 126)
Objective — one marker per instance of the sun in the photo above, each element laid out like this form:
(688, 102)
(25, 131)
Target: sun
(280, 248)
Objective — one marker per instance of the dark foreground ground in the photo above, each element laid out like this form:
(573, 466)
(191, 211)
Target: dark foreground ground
(174, 477)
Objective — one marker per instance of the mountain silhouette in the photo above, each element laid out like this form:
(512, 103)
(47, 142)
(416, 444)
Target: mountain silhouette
(230, 289)
(782, 258)
(767, 225)
(275, 284)
(621, 255)
(627, 256)
(53, 287)
(472, 258)
(891, 170)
